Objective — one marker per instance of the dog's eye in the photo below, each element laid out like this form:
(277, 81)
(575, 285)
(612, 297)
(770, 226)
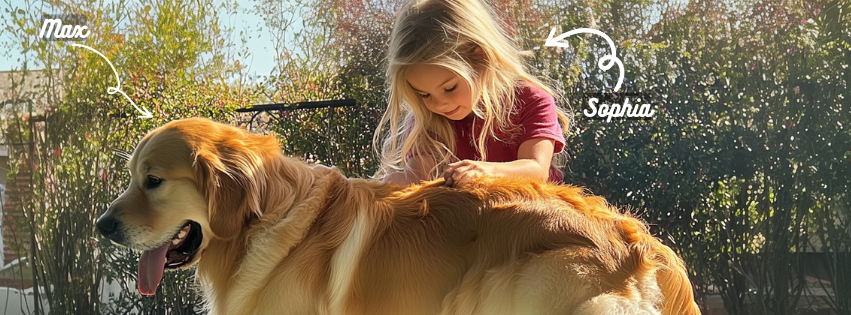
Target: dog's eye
(153, 182)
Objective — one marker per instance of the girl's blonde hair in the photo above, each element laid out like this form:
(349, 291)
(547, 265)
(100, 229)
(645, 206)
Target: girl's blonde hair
(448, 33)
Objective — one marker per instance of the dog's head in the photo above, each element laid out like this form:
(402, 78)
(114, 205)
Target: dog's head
(192, 182)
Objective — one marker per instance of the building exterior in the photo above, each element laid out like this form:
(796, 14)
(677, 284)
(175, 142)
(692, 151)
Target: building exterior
(20, 94)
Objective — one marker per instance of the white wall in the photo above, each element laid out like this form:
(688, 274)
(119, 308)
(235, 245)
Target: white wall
(2, 202)
(21, 302)
(17, 302)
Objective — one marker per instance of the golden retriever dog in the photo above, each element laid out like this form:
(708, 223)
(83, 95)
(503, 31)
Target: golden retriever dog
(271, 234)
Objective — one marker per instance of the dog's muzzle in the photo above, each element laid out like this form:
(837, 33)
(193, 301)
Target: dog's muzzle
(111, 228)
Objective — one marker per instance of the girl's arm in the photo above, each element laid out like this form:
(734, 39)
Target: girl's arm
(417, 170)
(533, 161)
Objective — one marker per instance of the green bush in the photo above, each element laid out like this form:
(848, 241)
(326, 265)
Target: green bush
(75, 170)
(743, 170)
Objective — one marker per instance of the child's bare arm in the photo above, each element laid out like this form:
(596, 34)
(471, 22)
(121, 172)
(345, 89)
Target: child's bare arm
(533, 161)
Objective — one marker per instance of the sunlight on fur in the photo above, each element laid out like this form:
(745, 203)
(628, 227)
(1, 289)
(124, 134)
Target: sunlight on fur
(271, 234)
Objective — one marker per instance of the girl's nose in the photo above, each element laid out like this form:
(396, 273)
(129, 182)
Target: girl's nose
(441, 103)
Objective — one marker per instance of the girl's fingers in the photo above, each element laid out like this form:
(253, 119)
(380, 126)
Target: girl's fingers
(450, 168)
(449, 182)
(455, 172)
(448, 173)
(457, 175)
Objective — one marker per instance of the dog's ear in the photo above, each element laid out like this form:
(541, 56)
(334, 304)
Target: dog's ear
(231, 181)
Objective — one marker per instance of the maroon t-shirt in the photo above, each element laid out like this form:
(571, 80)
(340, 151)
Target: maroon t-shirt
(536, 117)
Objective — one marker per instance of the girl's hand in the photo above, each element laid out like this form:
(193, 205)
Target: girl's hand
(464, 171)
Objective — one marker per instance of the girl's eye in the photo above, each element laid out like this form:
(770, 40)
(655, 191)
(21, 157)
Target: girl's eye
(451, 89)
(424, 96)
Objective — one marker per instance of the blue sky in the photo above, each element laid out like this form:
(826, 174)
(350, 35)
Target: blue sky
(262, 58)
(262, 55)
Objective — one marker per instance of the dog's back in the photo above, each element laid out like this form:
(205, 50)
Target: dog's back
(274, 235)
(499, 246)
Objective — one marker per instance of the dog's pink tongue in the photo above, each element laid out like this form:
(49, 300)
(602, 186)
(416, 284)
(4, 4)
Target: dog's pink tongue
(151, 266)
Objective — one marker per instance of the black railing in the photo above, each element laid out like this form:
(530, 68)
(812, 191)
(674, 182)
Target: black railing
(272, 109)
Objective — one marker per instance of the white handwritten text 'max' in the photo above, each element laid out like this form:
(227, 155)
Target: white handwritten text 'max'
(54, 29)
(610, 111)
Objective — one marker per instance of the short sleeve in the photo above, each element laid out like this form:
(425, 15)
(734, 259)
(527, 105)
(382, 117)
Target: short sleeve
(539, 118)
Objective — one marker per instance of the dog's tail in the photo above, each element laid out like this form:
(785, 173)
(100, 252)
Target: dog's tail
(671, 276)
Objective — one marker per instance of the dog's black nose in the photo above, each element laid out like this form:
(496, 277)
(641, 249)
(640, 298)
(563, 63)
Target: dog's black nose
(107, 225)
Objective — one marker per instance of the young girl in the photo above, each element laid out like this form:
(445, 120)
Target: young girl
(461, 103)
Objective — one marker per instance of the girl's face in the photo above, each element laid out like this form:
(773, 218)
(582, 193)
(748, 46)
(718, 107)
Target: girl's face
(443, 91)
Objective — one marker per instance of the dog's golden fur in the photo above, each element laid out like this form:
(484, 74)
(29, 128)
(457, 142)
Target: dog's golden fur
(282, 237)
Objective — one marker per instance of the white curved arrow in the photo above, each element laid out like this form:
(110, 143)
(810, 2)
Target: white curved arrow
(111, 90)
(611, 59)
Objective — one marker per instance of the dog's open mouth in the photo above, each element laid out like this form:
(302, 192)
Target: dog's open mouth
(173, 254)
